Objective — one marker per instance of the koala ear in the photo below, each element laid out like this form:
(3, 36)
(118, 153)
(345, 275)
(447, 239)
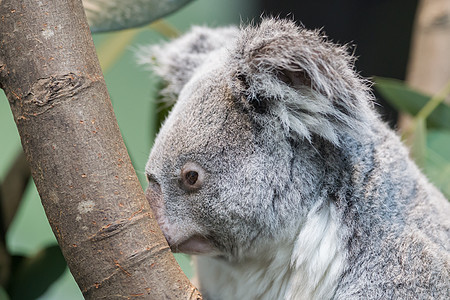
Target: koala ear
(305, 80)
(176, 61)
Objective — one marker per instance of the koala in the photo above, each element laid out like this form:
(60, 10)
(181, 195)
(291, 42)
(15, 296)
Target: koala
(276, 172)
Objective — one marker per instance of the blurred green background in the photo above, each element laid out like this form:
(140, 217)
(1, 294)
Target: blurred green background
(133, 93)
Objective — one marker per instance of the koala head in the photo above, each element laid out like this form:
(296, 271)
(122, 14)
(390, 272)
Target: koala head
(238, 161)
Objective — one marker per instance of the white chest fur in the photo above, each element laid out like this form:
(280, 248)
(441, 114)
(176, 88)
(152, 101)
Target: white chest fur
(308, 268)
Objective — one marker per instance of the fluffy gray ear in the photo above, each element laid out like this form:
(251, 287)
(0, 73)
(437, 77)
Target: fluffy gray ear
(305, 80)
(176, 61)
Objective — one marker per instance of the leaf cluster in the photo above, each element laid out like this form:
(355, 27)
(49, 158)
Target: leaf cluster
(428, 132)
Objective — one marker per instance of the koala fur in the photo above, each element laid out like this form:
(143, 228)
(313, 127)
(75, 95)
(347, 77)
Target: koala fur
(275, 169)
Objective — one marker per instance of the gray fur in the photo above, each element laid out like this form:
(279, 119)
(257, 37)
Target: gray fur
(306, 193)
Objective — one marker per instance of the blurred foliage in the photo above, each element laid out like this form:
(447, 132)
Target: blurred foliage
(3, 294)
(407, 100)
(429, 132)
(32, 275)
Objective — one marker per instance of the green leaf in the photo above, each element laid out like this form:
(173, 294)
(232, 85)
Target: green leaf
(419, 136)
(3, 294)
(109, 15)
(13, 188)
(34, 275)
(437, 166)
(410, 101)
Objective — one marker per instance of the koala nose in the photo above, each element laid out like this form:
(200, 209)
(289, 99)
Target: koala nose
(154, 194)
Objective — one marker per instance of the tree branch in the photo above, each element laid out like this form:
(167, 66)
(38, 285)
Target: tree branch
(89, 190)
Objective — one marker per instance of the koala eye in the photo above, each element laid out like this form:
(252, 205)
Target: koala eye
(192, 176)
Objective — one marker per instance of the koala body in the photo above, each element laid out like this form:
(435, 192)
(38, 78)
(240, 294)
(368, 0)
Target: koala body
(275, 170)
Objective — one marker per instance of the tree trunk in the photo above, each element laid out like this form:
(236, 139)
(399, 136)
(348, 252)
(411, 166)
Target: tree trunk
(94, 203)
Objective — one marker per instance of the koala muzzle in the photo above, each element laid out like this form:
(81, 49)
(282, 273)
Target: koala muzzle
(190, 244)
(194, 245)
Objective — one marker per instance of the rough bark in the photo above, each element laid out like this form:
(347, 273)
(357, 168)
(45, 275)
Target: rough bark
(89, 190)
